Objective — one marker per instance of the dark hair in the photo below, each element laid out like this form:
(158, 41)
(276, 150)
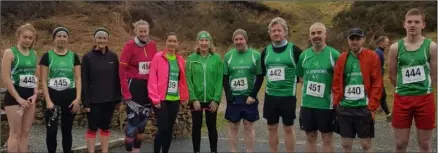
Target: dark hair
(380, 39)
(170, 34)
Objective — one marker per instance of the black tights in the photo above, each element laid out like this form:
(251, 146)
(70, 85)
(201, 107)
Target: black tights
(166, 116)
(210, 119)
(61, 100)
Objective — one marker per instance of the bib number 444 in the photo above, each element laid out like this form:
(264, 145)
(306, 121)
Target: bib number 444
(413, 74)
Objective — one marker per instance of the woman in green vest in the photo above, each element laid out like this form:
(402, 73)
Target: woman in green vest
(204, 70)
(19, 75)
(61, 82)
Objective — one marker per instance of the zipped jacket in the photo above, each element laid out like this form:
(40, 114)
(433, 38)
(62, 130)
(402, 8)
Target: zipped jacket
(372, 78)
(159, 78)
(204, 77)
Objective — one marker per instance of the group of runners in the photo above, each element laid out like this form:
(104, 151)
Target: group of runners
(340, 91)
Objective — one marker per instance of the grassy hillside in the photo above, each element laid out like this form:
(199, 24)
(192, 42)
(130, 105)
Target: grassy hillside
(186, 19)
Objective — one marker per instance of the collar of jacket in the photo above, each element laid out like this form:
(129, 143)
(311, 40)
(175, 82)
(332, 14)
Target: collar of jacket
(94, 49)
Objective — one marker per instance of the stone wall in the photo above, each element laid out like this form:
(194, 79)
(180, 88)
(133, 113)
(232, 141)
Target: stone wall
(181, 128)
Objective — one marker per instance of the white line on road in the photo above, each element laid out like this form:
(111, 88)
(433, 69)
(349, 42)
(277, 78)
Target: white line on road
(298, 142)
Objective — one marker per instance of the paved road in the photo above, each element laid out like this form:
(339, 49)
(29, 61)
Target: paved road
(383, 142)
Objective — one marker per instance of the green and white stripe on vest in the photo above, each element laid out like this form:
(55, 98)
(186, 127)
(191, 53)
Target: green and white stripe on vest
(61, 71)
(23, 68)
(280, 72)
(413, 70)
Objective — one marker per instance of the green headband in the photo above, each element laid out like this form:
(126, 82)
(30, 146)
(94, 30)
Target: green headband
(204, 34)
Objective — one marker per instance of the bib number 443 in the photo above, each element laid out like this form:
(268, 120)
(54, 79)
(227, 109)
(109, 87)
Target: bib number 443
(239, 84)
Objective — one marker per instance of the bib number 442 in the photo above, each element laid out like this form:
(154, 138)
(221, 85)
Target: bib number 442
(276, 74)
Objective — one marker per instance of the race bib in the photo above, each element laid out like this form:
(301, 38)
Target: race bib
(143, 67)
(173, 86)
(354, 92)
(276, 74)
(315, 89)
(61, 83)
(239, 84)
(413, 74)
(27, 81)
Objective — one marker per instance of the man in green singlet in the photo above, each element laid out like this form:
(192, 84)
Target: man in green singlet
(279, 65)
(412, 71)
(315, 69)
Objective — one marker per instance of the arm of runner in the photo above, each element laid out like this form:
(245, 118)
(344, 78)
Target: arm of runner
(299, 70)
(7, 60)
(218, 91)
(336, 84)
(37, 75)
(392, 63)
(184, 88)
(382, 60)
(118, 86)
(85, 69)
(376, 84)
(153, 82)
(78, 81)
(259, 78)
(44, 65)
(262, 61)
(190, 81)
(432, 62)
(297, 54)
(125, 57)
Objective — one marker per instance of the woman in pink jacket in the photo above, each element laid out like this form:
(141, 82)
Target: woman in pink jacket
(167, 88)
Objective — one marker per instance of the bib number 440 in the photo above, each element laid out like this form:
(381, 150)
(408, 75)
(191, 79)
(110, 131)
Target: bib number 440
(354, 92)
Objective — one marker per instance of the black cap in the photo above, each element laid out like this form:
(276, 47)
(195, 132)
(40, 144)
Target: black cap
(356, 32)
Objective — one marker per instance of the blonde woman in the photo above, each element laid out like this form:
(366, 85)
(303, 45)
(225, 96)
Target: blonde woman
(20, 75)
(135, 61)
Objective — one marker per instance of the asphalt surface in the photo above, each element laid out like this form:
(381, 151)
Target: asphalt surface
(384, 140)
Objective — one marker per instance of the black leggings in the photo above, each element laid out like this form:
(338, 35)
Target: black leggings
(210, 119)
(383, 102)
(61, 100)
(166, 116)
(100, 116)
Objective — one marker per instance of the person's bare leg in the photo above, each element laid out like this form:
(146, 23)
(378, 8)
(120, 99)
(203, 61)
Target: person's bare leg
(104, 143)
(27, 121)
(15, 124)
(401, 139)
(366, 145)
(249, 136)
(347, 145)
(424, 138)
(327, 142)
(273, 137)
(311, 138)
(91, 142)
(233, 134)
(289, 138)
